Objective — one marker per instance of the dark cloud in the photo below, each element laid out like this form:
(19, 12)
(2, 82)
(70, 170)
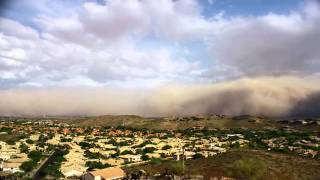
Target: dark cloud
(307, 107)
(282, 96)
(4, 4)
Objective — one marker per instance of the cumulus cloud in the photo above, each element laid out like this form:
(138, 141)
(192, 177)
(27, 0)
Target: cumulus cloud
(282, 96)
(98, 43)
(120, 19)
(16, 29)
(102, 43)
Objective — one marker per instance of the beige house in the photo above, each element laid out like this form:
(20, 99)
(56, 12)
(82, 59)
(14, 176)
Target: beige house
(107, 153)
(112, 173)
(11, 167)
(153, 155)
(128, 158)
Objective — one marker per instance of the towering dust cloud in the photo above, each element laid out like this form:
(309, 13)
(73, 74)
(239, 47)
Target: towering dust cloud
(276, 96)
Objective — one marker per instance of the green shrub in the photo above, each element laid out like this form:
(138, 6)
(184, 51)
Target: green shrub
(166, 147)
(198, 156)
(11, 141)
(35, 156)
(126, 152)
(24, 148)
(145, 157)
(96, 165)
(235, 145)
(29, 141)
(27, 166)
(251, 169)
(149, 150)
(176, 168)
(156, 160)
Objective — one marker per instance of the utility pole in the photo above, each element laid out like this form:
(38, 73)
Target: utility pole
(182, 160)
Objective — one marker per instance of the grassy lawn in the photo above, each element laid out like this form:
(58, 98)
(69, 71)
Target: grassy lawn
(278, 166)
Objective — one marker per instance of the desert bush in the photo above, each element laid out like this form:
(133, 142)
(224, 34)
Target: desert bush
(250, 168)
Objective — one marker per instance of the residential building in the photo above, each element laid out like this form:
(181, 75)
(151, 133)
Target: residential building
(113, 173)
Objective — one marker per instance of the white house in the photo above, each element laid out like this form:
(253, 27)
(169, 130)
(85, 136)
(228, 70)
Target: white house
(11, 167)
(128, 158)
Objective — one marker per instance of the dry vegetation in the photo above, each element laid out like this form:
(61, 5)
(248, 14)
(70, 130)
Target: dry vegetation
(278, 166)
(172, 122)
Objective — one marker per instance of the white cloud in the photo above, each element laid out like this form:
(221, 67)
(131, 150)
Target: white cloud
(174, 20)
(99, 44)
(271, 44)
(16, 29)
(54, 61)
(115, 19)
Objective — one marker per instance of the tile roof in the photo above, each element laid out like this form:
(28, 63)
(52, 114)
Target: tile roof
(109, 173)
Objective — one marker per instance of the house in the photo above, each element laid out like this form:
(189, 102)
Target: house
(107, 153)
(11, 167)
(189, 154)
(112, 173)
(208, 153)
(2, 144)
(186, 155)
(94, 150)
(153, 155)
(219, 150)
(72, 173)
(4, 157)
(18, 158)
(75, 164)
(163, 152)
(126, 148)
(128, 158)
(34, 137)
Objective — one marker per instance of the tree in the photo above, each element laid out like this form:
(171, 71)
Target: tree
(126, 152)
(29, 141)
(113, 142)
(148, 150)
(11, 141)
(235, 145)
(198, 156)
(85, 145)
(92, 155)
(66, 139)
(145, 157)
(6, 129)
(24, 148)
(27, 166)
(166, 147)
(96, 165)
(35, 156)
(123, 143)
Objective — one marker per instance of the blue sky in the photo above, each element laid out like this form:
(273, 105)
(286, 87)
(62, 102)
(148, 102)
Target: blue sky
(25, 10)
(252, 7)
